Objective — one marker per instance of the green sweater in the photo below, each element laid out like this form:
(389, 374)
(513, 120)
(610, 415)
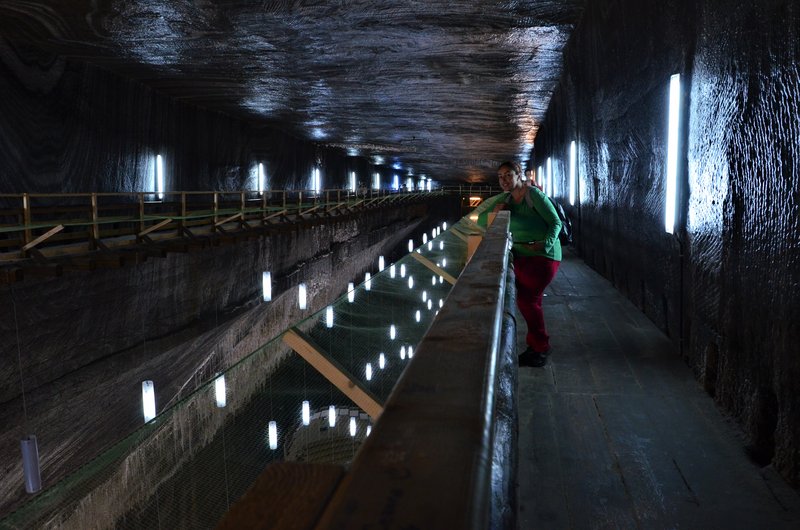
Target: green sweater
(537, 222)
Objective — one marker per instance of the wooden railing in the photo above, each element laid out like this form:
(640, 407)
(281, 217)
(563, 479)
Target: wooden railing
(30, 223)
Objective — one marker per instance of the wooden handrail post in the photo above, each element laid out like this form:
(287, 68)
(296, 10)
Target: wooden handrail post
(299, 201)
(95, 231)
(182, 221)
(26, 218)
(284, 199)
(141, 212)
(216, 209)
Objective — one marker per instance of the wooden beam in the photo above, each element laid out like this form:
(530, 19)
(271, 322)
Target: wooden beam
(276, 214)
(434, 267)
(155, 227)
(308, 211)
(458, 234)
(333, 372)
(43, 237)
(227, 219)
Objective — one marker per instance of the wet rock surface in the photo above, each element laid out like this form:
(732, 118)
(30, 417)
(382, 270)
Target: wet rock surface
(725, 286)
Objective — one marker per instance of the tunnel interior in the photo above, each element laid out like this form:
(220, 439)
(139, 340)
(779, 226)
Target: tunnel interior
(579, 92)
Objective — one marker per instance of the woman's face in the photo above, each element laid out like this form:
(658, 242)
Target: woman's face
(509, 179)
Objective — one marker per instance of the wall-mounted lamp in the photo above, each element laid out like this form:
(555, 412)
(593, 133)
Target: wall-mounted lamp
(672, 152)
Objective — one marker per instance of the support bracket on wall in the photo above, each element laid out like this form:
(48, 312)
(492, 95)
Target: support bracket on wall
(334, 372)
(433, 267)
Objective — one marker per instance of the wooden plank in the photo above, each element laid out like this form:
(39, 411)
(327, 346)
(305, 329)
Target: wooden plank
(228, 219)
(43, 237)
(595, 490)
(276, 214)
(286, 496)
(435, 268)
(155, 227)
(542, 503)
(333, 372)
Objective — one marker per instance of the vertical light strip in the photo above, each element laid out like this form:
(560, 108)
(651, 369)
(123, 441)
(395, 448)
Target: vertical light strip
(672, 152)
(301, 296)
(266, 286)
(376, 181)
(550, 185)
(148, 400)
(305, 412)
(316, 180)
(219, 391)
(573, 164)
(353, 181)
(395, 183)
(159, 184)
(261, 178)
(273, 435)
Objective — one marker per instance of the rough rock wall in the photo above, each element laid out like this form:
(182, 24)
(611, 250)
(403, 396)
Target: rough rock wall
(51, 109)
(726, 286)
(82, 343)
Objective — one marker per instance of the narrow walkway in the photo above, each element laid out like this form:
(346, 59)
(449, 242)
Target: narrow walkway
(616, 433)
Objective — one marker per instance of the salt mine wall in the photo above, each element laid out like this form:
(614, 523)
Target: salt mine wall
(75, 348)
(725, 287)
(52, 108)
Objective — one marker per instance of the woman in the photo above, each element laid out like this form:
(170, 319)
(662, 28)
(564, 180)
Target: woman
(537, 251)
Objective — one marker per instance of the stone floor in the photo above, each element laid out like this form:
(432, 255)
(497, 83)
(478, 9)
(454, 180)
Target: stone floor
(616, 433)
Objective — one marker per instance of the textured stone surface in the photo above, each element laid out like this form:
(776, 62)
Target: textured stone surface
(87, 340)
(443, 88)
(726, 286)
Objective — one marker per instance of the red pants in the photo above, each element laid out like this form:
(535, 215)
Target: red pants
(533, 274)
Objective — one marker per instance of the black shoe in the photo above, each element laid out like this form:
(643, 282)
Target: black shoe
(532, 358)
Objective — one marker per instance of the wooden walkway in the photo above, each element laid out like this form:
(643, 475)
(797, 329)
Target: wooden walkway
(616, 433)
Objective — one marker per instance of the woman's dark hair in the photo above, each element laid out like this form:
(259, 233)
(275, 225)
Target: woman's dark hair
(513, 165)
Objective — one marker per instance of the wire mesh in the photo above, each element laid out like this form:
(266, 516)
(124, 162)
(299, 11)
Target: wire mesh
(186, 467)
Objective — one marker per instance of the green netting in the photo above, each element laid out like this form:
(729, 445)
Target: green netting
(185, 468)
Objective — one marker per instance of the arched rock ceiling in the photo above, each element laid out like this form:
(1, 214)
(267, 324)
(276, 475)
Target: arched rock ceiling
(445, 88)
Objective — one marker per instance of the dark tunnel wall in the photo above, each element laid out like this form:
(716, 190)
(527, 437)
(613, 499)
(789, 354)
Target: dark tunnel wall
(726, 286)
(51, 109)
(79, 345)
